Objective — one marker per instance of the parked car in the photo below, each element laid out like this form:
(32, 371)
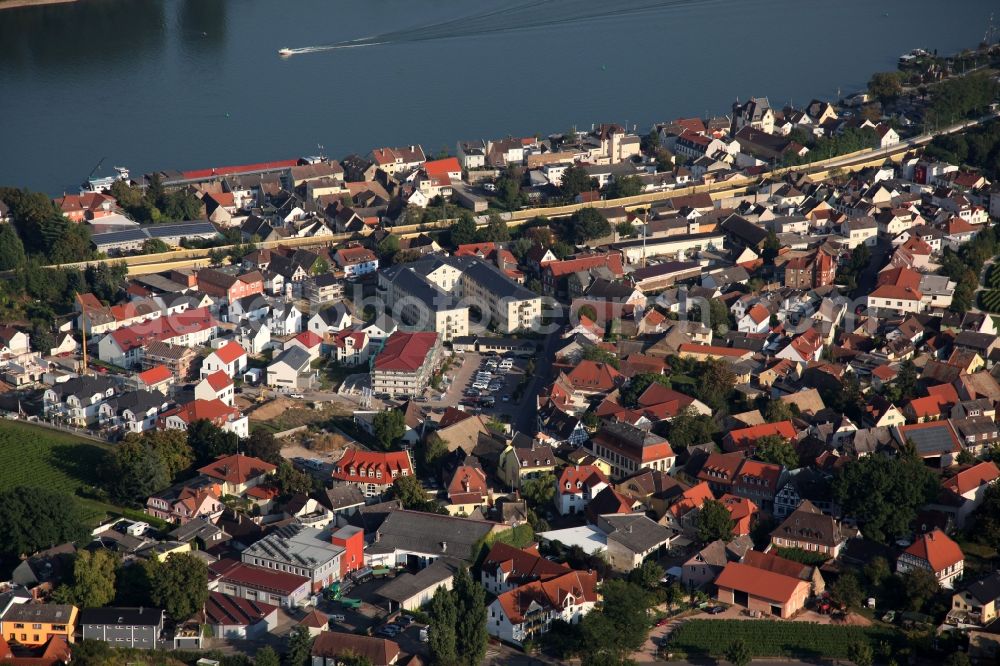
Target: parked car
(715, 610)
(404, 621)
(337, 618)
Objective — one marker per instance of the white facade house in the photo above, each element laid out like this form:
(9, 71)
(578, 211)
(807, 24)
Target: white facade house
(231, 359)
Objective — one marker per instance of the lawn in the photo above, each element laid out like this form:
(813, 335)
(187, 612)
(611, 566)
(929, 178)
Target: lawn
(35, 456)
(774, 638)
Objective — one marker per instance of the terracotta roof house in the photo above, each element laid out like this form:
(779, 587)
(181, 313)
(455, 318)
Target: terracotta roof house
(467, 490)
(937, 553)
(506, 567)
(607, 502)
(238, 473)
(965, 491)
(576, 486)
(235, 617)
(745, 439)
(372, 471)
(682, 515)
(742, 511)
(405, 364)
(55, 652)
(768, 592)
(807, 528)
(630, 449)
(228, 418)
(526, 612)
(330, 646)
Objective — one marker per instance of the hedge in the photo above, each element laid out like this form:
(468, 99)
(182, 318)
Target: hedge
(775, 638)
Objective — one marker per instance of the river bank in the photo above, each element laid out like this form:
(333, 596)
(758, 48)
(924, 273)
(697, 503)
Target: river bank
(14, 4)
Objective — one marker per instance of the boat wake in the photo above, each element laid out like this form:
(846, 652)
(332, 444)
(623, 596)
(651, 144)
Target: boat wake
(529, 15)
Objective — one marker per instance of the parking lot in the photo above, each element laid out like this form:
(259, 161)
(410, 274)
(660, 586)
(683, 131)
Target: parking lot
(371, 616)
(459, 378)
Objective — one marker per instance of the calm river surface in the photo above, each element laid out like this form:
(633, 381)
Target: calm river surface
(180, 84)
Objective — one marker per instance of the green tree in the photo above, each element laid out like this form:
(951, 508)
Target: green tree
(689, 427)
(433, 450)
(298, 650)
(464, 231)
(714, 522)
(877, 570)
(778, 450)
(576, 180)
(217, 256)
(495, 231)
(860, 654)
(846, 591)
(388, 248)
(470, 630)
(987, 516)
(771, 247)
(135, 472)
(442, 639)
(954, 659)
(625, 186)
(539, 491)
(619, 629)
(411, 494)
(154, 246)
(587, 311)
(647, 576)
(320, 267)
(389, 427)
(715, 382)
(588, 224)
(182, 205)
(94, 578)
(884, 493)
(266, 656)
(35, 518)
(180, 585)
(600, 355)
(292, 481)
(886, 86)
(777, 410)
(170, 446)
(738, 653)
(208, 441)
(920, 586)
(650, 143)
(629, 395)
(262, 444)
(11, 249)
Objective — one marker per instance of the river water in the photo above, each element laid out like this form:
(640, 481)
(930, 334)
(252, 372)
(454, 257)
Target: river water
(183, 84)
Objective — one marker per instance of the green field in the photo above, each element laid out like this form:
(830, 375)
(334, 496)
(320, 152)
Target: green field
(774, 638)
(35, 456)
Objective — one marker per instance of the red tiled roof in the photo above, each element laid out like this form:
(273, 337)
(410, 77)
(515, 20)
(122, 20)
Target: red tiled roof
(692, 499)
(308, 339)
(521, 563)
(439, 169)
(585, 475)
(378, 651)
(163, 328)
(355, 255)
(219, 380)
(155, 375)
(759, 583)
(743, 438)
(612, 260)
(258, 577)
(936, 549)
(972, 478)
(237, 468)
(215, 411)
(594, 376)
(222, 609)
(245, 168)
(366, 466)
(229, 352)
(758, 313)
(712, 350)
(405, 352)
(549, 594)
